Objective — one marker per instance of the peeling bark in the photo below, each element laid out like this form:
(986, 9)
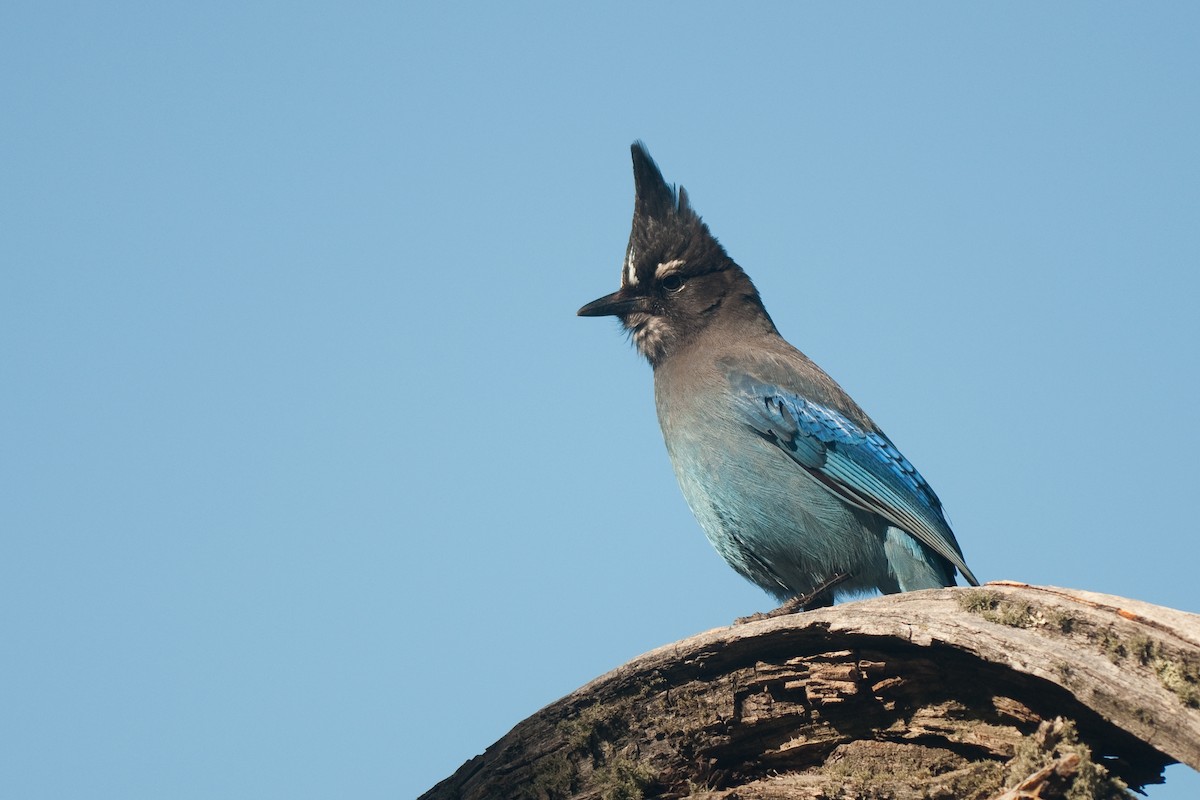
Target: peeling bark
(999, 693)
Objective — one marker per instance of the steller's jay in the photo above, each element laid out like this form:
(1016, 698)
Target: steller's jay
(792, 482)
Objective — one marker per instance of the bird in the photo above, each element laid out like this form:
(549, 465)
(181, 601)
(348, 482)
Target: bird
(793, 484)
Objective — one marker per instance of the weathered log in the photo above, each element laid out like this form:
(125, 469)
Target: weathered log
(1007, 691)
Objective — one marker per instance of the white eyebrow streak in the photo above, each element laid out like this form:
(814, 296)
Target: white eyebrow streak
(630, 270)
(667, 267)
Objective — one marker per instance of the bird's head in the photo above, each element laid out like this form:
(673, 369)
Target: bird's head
(676, 279)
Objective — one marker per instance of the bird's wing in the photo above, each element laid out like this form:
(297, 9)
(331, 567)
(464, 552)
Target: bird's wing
(860, 466)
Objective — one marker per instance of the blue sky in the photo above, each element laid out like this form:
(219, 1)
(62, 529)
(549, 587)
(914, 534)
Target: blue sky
(311, 482)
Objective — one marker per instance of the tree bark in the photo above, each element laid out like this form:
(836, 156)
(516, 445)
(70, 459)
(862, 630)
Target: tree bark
(1007, 691)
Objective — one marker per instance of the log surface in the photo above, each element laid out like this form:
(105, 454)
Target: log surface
(1004, 691)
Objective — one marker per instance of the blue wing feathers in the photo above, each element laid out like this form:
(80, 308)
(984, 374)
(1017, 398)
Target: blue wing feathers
(862, 466)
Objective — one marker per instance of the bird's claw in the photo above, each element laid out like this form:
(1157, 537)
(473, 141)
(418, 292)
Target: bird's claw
(819, 597)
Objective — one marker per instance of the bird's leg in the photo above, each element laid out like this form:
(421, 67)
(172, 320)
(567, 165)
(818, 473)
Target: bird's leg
(820, 597)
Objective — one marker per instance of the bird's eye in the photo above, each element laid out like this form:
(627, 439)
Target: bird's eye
(672, 283)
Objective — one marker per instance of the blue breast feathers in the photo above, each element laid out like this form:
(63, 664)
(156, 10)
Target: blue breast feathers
(860, 466)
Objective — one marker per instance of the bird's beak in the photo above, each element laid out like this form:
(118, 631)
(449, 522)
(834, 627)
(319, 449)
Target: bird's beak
(617, 304)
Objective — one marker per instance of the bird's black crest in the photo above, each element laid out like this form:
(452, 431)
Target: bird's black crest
(656, 199)
(665, 227)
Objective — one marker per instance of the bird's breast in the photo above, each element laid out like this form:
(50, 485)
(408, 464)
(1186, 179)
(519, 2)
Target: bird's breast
(766, 514)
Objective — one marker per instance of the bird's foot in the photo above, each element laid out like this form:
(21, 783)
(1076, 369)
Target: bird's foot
(820, 597)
